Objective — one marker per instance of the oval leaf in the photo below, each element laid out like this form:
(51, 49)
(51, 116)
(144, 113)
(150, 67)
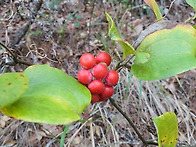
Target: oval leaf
(52, 97)
(113, 31)
(115, 35)
(154, 7)
(171, 51)
(167, 127)
(12, 86)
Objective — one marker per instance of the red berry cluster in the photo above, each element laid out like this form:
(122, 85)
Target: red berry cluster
(96, 77)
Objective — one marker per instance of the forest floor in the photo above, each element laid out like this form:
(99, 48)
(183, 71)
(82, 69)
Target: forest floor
(60, 33)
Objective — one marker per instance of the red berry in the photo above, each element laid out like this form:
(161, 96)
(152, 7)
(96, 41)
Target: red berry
(103, 57)
(108, 92)
(95, 98)
(96, 87)
(84, 76)
(87, 61)
(99, 71)
(112, 78)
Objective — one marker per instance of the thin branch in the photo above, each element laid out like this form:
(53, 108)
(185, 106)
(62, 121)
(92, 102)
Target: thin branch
(124, 63)
(167, 11)
(152, 143)
(15, 59)
(132, 124)
(8, 50)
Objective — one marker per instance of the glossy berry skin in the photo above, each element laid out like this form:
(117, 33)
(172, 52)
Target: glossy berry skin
(87, 61)
(112, 78)
(108, 92)
(95, 98)
(103, 57)
(99, 71)
(84, 76)
(96, 87)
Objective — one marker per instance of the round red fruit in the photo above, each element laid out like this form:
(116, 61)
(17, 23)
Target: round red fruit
(99, 71)
(95, 98)
(84, 76)
(87, 61)
(108, 92)
(96, 87)
(103, 57)
(112, 78)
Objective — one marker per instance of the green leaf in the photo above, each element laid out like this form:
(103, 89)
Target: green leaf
(37, 32)
(76, 23)
(115, 35)
(12, 86)
(52, 97)
(192, 3)
(154, 7)
(166, 53)
(113, 31)
(167, 127)
(126, 47)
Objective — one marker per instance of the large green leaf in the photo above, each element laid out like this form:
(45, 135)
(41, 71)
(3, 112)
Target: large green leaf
(167, 126)
(12, 86)
(192, 3)
(155, 8)
(166, 53)
(52, 97)
(115, 35)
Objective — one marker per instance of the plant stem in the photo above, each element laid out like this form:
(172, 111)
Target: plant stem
(152, 143)
(64, 134)
(8, 50)
(16, 60)
(132, 124)
(125, 64)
